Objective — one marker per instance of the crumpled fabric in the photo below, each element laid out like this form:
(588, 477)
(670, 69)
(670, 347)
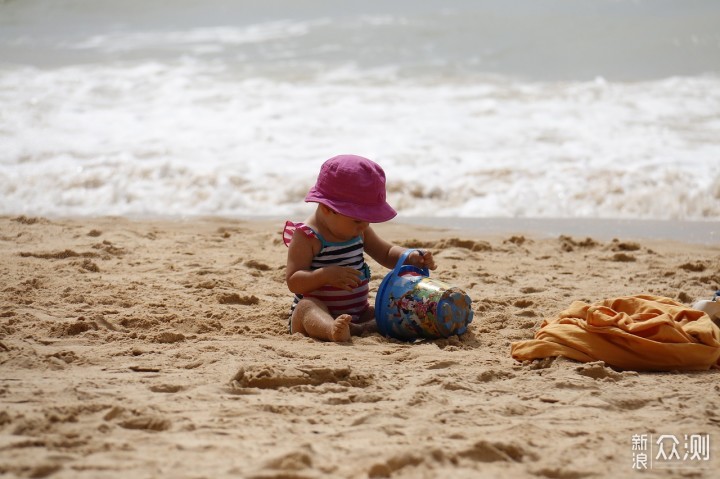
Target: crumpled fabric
(642, 333)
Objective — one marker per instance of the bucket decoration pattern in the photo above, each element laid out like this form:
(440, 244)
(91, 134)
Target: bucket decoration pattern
(410, 305)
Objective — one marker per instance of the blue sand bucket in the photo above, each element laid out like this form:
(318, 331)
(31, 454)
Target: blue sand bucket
(409, 305)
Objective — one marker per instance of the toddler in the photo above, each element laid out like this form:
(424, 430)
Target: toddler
(326, 267)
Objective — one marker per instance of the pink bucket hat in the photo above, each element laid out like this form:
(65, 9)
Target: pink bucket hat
(353, 186)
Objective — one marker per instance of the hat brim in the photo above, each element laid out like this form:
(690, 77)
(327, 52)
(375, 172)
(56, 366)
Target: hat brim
(377, 213)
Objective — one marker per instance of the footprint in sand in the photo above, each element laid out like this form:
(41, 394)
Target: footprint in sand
(257, 265)
(45, 469)
(74, 328)
(68, 253)
(442, 364)
(531, 290)
(631, 402)
(291, 461)
(488, 451)
(523, 303)
(623, 258)
(490, 375)
(398, 462)
(66, 357)
(168, 337)
(482, 451)
(149, 423)
(167, 388)
(234, 298)
(696, 267)
(598, 370)
(274, 377)
(527, 313)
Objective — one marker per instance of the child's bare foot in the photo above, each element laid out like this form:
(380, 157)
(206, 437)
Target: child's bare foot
(340, 331)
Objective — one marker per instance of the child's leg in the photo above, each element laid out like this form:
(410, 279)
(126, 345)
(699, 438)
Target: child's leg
(312, 318)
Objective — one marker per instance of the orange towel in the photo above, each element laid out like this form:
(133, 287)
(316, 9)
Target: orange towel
(633, 332)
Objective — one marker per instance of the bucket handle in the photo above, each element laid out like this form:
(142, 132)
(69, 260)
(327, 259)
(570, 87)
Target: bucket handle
(400, 267)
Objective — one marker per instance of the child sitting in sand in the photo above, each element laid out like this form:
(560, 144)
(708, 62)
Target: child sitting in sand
(326, 267)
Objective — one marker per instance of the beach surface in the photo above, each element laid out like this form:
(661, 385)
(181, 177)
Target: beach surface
(159, 348)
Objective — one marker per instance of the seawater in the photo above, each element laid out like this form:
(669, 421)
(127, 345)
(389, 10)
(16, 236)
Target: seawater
(532, 108)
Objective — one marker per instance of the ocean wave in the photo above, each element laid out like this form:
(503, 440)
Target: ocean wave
(194, 138)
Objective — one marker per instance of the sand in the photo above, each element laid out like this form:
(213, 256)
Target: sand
(138, 349)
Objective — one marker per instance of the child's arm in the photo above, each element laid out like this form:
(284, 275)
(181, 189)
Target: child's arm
(387, 254)
(301, 280)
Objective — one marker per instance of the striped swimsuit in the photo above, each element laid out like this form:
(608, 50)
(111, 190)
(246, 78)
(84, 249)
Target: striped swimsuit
(347, 253)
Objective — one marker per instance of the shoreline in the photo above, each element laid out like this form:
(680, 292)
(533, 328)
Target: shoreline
(689, 231)
(703, 232)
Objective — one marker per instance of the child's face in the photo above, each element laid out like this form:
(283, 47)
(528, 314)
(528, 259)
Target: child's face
(345, 227)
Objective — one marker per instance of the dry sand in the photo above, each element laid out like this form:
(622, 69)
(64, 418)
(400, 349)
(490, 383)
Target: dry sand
(137, 349)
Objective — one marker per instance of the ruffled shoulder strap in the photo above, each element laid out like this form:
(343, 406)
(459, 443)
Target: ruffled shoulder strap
(290, 229)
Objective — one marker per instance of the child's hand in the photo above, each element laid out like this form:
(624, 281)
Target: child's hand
(343, 277)
(424, 260)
